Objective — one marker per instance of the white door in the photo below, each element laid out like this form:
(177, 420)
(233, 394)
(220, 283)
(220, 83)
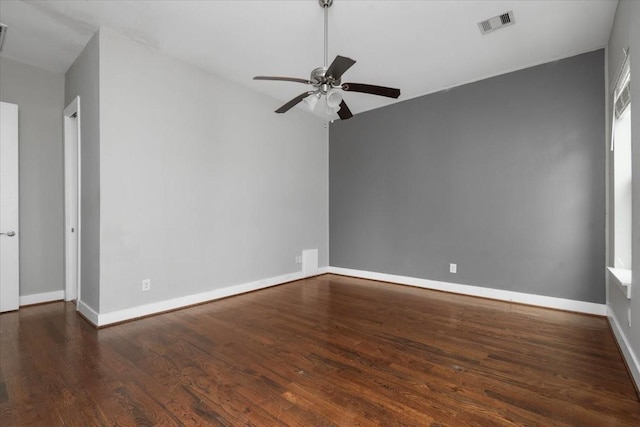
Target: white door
(9, 255)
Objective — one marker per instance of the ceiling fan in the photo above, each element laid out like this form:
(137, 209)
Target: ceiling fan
(326, 81)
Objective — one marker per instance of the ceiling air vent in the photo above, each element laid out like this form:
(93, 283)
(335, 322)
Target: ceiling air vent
(496, 22)
(3, 31)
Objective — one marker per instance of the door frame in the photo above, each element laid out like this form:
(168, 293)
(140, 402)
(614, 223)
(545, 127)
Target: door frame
(72, 200)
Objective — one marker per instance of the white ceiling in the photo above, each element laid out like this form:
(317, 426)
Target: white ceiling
(417, 46)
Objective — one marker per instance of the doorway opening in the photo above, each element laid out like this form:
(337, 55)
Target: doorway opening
(72, 229)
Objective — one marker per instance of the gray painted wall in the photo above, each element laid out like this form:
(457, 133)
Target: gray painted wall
(504, 177)
(626, 33)
(82, 79)
(202, 186)
(40, 97)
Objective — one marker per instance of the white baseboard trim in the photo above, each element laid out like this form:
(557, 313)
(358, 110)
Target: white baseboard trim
(103, 319)
(89, 313)
(41, 298)
(478, 291)
(629, 356)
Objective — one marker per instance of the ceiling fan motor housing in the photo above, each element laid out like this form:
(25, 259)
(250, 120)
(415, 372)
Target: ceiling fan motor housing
(319, 77)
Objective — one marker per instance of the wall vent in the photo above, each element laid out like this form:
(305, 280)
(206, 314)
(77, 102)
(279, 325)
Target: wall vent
(3, 31)
(497, 22)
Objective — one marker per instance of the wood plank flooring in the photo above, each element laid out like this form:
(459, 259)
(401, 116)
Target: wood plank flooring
(326, 351)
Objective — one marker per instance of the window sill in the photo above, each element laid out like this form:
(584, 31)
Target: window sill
(622, 278)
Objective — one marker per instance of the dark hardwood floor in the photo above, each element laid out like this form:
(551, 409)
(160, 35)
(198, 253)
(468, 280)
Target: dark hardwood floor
(324, 351)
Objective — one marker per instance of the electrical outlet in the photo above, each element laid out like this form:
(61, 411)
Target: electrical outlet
(146, 285)
(298, 259)
(453, 268)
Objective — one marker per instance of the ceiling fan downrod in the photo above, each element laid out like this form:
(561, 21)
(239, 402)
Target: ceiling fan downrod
(326, 4)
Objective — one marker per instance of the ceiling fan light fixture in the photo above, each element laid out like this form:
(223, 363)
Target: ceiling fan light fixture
(331, 111)
(312, 100)
(327, 81)
(334, 98)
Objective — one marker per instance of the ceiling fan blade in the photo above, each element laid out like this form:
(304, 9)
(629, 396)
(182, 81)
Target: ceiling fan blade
(295, 101)
(283, 79)
(344, 112)
(339, 66)
(371, 89)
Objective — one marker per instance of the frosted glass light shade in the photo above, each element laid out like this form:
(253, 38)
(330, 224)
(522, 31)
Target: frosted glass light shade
(334, 99)
(312, 101)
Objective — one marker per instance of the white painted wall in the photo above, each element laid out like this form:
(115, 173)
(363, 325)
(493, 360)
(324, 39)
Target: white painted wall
(202, 186)
(626, 33)
(40, 96)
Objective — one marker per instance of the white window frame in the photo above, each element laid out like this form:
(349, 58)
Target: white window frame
(621, 107)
